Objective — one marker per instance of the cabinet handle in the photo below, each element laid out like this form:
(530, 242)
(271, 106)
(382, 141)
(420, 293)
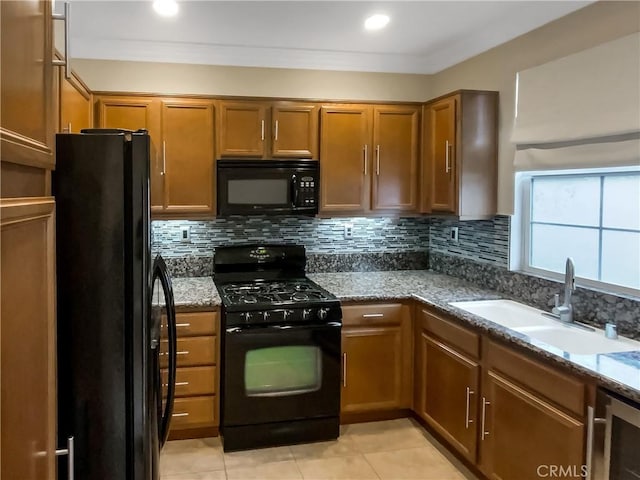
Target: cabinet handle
(276, 131)
(447, 166)
(484, 433)
(366, 156)
(262, 129)
(183, 352)
(177, 384)
(183, 324)
(66, 63)
(164, 158)
(467, 420)
(69, 451)
(378, 160)
(180, 414)
(592, 421)
(372, 315)
(344, 369)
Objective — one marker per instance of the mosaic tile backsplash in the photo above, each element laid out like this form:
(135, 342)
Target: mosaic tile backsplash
(485, 241)
(318, 235)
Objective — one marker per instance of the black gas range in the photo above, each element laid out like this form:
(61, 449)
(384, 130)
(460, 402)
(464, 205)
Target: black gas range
(281, 348)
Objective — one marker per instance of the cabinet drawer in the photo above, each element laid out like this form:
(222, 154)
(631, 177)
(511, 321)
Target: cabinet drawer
(193, 412)
(383, 314)
(565, 390)
(194, 324)
(455, 335)
(192, 351)
(192, 381)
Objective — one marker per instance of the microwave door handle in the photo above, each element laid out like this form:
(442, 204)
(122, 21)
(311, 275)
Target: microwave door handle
(294, 191)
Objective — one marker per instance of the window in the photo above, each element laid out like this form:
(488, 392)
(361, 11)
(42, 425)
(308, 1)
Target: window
(592, 216)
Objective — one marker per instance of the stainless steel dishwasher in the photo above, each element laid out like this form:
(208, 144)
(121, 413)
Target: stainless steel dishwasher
(613, 441)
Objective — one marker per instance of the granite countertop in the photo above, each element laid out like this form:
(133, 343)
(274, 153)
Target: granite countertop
(193, 292)
(619, 372)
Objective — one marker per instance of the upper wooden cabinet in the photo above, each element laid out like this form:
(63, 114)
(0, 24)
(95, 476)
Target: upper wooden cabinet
(294, 129)
(242, 129)
(133, 113)
(395, 161)
(182, 154)
(27, 124)
(344, 169)
(376, 355)
(460, 155)
(75, 104)
(369, 158)
(265, 130)
(188, 157)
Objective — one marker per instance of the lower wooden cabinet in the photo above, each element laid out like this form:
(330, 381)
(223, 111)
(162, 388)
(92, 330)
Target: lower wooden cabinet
(507, 413)
(376, 356)
(196, 407)
(522, 434)
(448, 393)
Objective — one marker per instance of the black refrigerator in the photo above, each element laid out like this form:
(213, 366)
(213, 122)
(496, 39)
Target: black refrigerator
(115, 310)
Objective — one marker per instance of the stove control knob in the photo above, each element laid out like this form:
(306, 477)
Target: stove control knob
(247, 317)
(323, 313)
(306, 314)
(265, 316)
(286, 314)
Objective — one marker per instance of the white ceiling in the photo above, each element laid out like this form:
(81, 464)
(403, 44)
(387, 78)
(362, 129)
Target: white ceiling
(422, 37)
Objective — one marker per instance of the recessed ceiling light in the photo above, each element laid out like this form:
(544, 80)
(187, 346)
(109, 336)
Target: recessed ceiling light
(376, 22)
(166, 8)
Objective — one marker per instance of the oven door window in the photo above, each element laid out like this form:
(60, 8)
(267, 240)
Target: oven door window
(258, 191)
(282, 371)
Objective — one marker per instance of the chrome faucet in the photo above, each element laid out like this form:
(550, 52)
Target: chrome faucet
(564, 312)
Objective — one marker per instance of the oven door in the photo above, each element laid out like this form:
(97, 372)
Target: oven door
(266, 187)
(278, 373)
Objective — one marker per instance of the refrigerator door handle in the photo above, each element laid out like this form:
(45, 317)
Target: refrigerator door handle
(161, 273)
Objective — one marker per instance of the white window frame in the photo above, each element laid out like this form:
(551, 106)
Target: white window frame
(520, 241)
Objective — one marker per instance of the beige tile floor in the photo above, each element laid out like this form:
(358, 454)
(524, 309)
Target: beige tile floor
(389, 450)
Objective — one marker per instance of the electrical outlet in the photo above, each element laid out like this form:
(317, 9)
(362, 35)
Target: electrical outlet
(453, 234)
(348, 230)
(185, 234)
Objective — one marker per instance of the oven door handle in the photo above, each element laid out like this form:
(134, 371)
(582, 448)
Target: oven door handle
(271, 328)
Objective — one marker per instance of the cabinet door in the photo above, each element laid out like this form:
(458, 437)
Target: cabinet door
(75, 103)
(242, 129)
(372, 369)
(524, 435)
(441, 164)
(345, 158)
(27, 123)
(133, 113)
(28, 366)
(395, 140)
(294, 130)
(448, 394)
(187, 136)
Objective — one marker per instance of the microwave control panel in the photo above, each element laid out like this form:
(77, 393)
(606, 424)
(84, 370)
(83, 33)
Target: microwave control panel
(307, 193)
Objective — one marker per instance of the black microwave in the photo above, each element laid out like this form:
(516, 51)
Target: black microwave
(271, 187)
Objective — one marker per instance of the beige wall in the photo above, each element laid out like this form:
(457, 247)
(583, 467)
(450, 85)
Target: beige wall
(496, 69)
(107, 75)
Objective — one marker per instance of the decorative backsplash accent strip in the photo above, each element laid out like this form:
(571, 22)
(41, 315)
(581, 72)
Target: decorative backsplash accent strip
(318, 235)
(485, 241)
(590, 306)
